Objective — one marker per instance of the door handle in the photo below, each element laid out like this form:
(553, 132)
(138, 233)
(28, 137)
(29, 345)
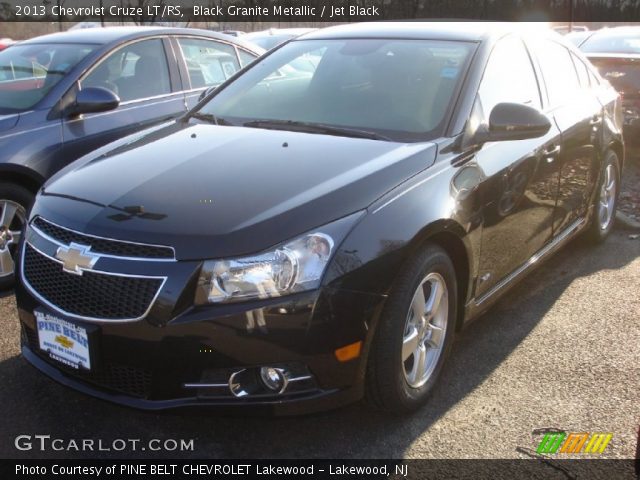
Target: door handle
(551, 153)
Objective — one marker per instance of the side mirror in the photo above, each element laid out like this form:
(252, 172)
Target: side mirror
(93, 100)
(513, 121)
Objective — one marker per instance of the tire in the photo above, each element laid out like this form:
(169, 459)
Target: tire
(15, 201)
(599, 230)
(390, 385)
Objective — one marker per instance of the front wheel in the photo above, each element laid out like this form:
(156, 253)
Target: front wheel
(415, 333)
(15, 201)
(606, 202)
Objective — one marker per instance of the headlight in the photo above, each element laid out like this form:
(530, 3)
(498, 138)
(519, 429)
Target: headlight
(293, 267)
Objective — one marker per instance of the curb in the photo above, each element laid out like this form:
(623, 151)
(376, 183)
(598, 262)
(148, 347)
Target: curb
(626, 222)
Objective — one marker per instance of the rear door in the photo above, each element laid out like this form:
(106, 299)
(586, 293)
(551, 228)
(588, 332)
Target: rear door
(144, 75)
(578, 114)
(206, 63)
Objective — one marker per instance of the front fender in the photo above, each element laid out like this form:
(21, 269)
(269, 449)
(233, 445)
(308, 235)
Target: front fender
(429, 206)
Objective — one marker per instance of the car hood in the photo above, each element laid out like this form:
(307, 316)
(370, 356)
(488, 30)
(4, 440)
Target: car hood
(213, 191)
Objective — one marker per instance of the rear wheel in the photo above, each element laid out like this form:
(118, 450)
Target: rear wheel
(415, 333)
(606, 202)
(15, 201)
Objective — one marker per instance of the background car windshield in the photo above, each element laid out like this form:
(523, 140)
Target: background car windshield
(28, 72)
(401, 89)
(612, 42)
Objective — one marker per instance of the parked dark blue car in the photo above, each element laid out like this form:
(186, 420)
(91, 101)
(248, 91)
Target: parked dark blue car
(66, 94)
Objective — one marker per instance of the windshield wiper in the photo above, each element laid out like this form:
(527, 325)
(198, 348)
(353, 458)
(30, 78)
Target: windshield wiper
(308, 127)
(205, 117)
(210, 118)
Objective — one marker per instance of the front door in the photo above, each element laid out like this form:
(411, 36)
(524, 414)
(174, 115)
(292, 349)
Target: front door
(519, 194)
(139, 74)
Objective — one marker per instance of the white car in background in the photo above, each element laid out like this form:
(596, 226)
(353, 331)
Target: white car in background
(273, 37)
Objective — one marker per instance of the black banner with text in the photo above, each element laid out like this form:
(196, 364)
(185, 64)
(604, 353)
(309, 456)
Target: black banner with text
(543, 468)
(187, 11)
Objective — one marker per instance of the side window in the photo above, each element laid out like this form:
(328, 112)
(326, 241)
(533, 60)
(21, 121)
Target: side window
(137, 71)
(209, 62)
(245, 57)
(559, 72)
(583, 72)
(508, 77)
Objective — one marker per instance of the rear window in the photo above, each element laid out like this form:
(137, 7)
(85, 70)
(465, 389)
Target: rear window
(29, 72)
(612, 42)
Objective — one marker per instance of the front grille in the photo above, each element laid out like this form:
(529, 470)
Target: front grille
(134, 381)
(93, 295)
(106, 246)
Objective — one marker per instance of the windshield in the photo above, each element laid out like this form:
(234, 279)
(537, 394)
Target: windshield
(28, 72)
(612, 42)
(399, 89)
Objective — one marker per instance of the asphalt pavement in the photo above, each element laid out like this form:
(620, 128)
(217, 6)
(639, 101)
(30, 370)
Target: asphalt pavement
(561, 350)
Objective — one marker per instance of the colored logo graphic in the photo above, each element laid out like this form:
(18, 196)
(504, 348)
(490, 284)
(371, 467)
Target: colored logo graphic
(64, 341)
(584, 442)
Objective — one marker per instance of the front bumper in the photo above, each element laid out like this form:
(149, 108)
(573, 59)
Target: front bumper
(156, 364)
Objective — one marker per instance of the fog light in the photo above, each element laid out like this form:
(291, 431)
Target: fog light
(273, 379)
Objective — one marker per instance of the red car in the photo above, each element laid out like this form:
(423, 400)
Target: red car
(5, 42)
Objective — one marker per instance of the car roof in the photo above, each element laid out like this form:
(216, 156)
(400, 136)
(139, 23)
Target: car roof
(623, 30)
(106, 35)
(443, 30)
(281, 31)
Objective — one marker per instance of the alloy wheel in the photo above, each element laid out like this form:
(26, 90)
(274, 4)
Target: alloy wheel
(607, 200)
(425, 328)
(12, 220)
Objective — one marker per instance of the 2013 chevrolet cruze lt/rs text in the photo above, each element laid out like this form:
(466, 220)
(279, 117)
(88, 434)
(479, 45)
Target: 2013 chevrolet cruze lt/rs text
(304, 238)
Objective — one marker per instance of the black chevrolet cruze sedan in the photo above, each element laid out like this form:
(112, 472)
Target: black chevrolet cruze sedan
(300, 240)
(66, 94)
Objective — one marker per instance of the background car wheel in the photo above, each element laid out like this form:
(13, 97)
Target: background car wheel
(604, 212)
(15, 202)
(415, 333)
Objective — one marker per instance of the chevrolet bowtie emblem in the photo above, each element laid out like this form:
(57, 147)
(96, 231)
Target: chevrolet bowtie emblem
(76, 258)
(64, 341)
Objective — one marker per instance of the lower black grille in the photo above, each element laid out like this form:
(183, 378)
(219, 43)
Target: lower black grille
(121, 378)
(134, 381)
(92, 295)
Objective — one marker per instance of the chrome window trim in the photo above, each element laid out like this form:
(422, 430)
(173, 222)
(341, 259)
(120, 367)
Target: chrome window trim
(154, 97)
(103, 255)
(59, 310)
(199, 89)
(131, 104)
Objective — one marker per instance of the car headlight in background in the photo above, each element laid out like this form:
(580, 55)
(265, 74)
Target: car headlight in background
(295, 266)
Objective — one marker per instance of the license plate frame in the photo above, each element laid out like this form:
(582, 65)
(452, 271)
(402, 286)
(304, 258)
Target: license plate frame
(68, 342)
